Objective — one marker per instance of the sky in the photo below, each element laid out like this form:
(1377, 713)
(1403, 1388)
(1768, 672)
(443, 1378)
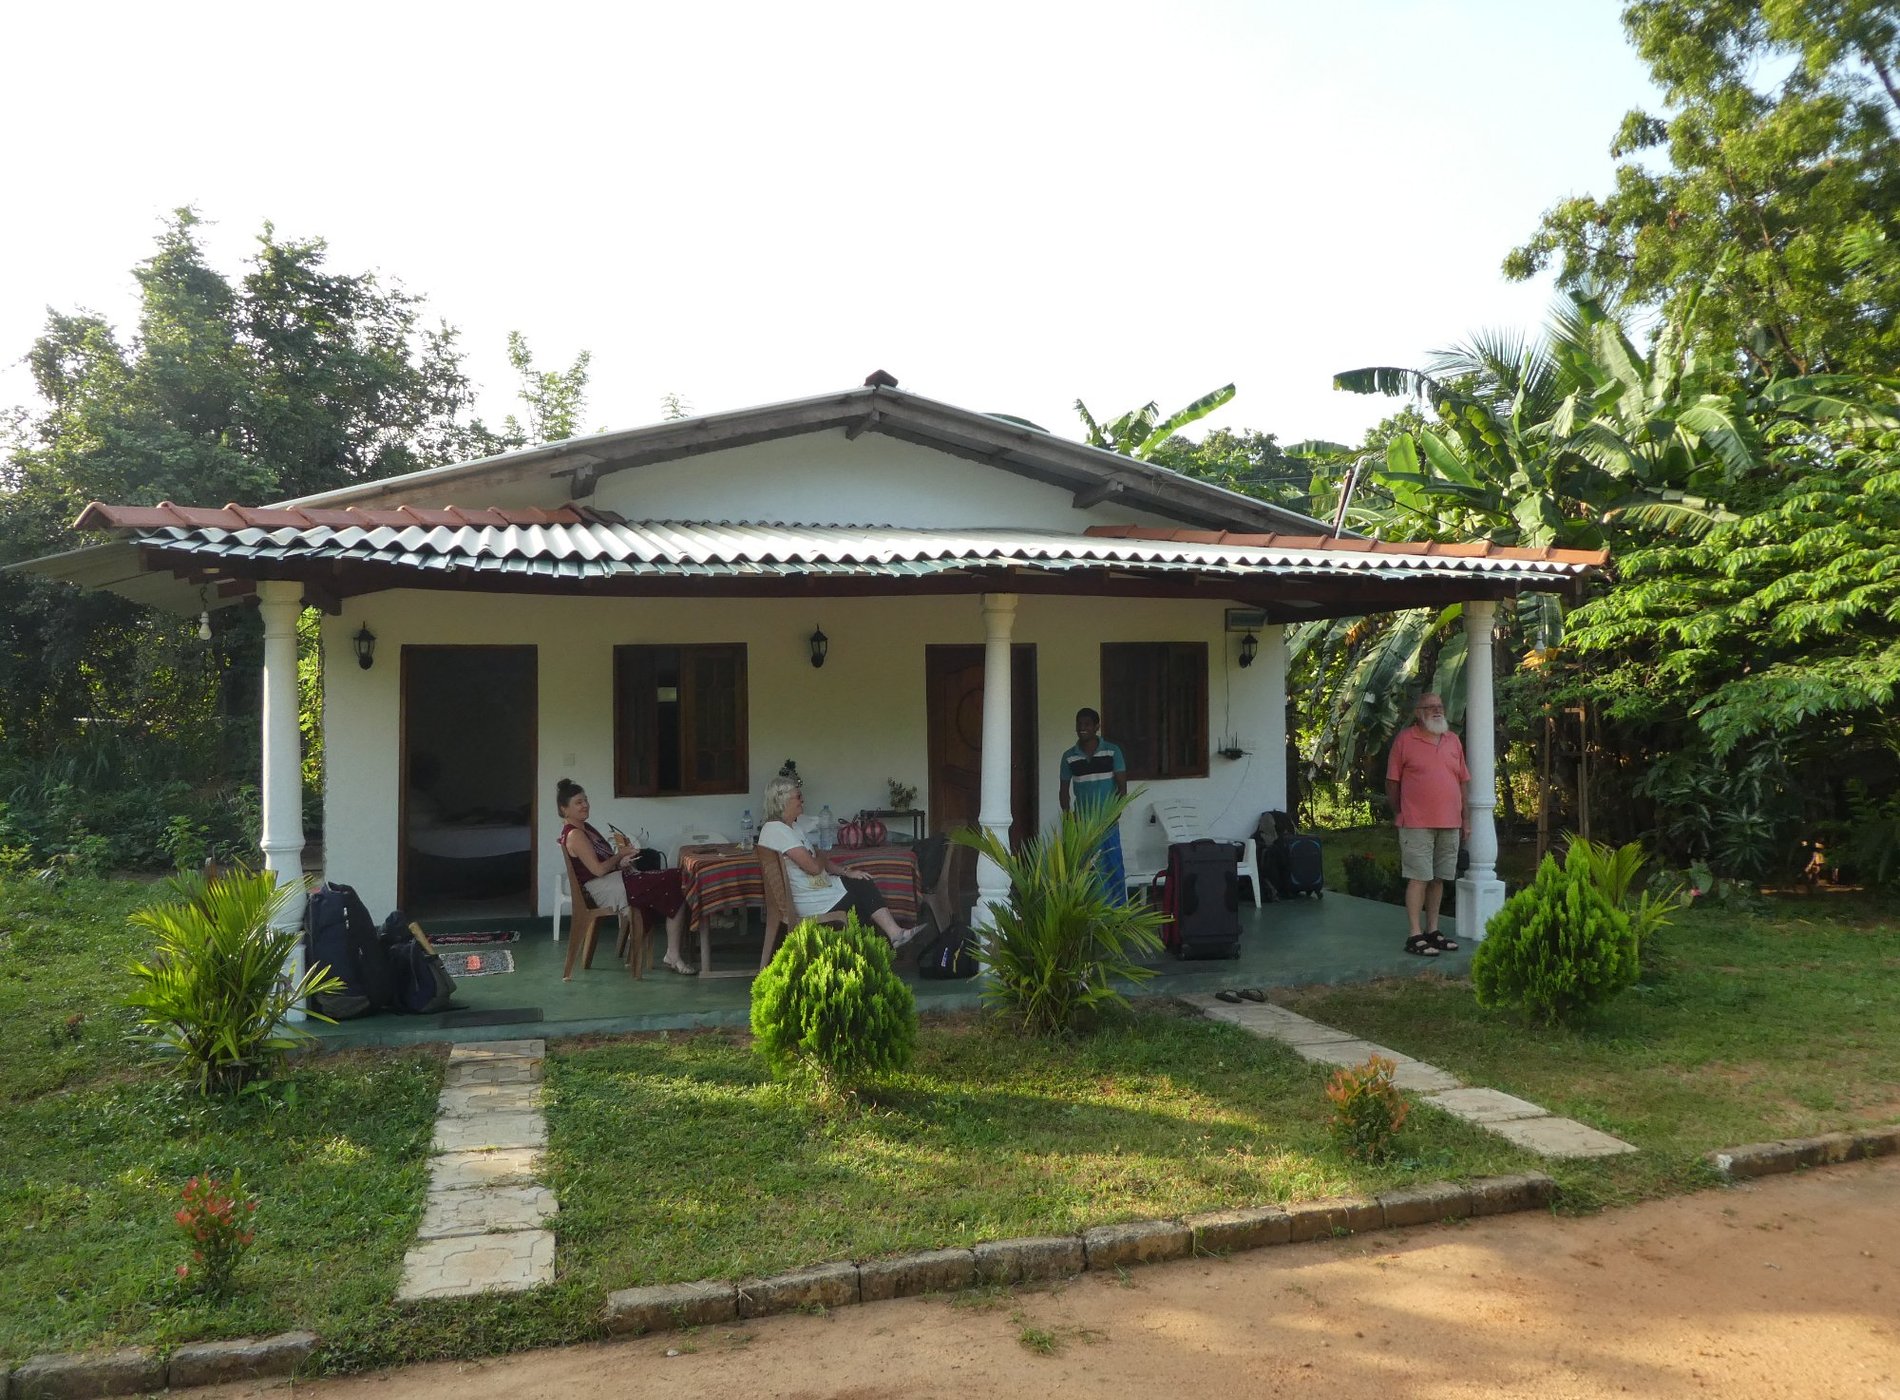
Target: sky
(1008, 206)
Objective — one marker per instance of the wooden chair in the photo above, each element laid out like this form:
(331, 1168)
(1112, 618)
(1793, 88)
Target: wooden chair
(632, 943)
(780, 912)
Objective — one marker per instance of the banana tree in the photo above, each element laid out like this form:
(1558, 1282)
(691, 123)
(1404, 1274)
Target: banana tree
(1138, 432)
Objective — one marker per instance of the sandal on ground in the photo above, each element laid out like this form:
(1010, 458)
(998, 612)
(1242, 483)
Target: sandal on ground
(1420, 944)
(905, 935)
(1226, 995)
(681, 966)
(1440, 942)
(1253, 994)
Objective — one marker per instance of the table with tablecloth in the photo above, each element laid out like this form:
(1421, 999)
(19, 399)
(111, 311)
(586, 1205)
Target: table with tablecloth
(722, 878)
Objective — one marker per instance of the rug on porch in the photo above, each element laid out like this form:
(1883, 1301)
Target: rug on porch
(475, 940)
(484, 962)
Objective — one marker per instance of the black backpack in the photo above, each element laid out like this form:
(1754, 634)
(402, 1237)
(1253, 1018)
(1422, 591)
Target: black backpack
(950, 955)
(340, 935)
(423, 985)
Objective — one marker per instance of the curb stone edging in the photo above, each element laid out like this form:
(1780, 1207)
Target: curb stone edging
(140, 1370)
(1103, 1247)
(1788, 1154)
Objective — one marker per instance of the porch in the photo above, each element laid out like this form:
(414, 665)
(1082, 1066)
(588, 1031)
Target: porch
(1292, 943)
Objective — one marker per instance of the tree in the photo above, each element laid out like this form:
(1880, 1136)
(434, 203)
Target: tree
(1778, 195)
(556, 398)
(1140, 432)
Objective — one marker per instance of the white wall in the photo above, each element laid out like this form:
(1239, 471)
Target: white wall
(822, 479)
(853, 724)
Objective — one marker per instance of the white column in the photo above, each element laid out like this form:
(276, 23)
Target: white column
(1272, 746)
(282, 842)
(1480, 893)
(993, 812)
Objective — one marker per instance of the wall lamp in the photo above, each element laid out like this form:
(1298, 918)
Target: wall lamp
(365, 647)
(1249, 646)
(820, 644)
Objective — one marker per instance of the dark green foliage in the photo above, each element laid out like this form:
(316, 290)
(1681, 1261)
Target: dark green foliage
(1559, 948)
(214, 994)
(832, 1003)
(1368, 877)
(1061, 943)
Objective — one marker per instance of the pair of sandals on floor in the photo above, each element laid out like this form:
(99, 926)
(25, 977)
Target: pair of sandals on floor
(1429, 944)
(1244, 994)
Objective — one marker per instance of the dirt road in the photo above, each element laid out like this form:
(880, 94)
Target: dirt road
(1786, 1287)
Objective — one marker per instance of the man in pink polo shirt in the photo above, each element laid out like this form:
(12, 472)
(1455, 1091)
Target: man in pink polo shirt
(1426, 782)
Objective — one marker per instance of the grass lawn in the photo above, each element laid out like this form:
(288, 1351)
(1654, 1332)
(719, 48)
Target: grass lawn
(676, 1157)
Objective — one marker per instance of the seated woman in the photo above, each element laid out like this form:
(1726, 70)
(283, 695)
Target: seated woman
(818, 886)
(614, 882)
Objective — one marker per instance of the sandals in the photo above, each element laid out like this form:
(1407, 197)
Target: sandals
(681, 966)
(1225, 994)
(1420, 945)
(1440, 942)
(1228, 994)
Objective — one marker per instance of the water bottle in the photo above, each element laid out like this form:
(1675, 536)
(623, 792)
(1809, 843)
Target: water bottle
(746, 831)
(827, 828)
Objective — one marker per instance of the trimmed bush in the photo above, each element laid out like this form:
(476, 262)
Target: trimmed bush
(832, 1003)
(1559, 948)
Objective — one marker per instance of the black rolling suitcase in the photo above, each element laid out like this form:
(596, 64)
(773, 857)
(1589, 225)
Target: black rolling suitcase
(1294, 866)
(1200, 892)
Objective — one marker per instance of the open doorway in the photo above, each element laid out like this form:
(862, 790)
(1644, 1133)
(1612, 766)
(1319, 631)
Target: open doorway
(468, 799)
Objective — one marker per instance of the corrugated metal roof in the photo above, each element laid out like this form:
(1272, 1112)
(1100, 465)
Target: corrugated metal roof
(578, 543)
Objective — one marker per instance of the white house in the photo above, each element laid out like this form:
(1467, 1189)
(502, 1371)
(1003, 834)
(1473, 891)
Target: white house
(636, 610)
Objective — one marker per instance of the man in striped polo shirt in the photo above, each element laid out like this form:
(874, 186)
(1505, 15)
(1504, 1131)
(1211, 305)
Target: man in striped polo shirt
(1094, 772)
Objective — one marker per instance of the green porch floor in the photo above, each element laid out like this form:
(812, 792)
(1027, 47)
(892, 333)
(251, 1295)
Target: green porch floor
(1293, 943)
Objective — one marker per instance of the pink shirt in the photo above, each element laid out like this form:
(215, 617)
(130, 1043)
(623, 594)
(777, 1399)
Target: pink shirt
(1429, 770)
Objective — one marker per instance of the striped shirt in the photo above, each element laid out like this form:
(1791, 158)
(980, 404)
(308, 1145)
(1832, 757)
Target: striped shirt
(1091, 776)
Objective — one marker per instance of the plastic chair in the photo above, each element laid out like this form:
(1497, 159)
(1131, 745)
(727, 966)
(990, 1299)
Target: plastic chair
(780, 912)
(1181, 819)
(632, 943)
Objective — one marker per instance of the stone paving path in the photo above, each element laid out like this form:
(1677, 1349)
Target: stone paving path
(484, 1228)
(1520, 1121)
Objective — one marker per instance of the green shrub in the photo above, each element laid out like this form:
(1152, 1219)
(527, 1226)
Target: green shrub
(1558, 948)
(215, 994)
(1615, 871)
(831, 1003)
(1368, 1110)
(1061, 942)
(1368, 877)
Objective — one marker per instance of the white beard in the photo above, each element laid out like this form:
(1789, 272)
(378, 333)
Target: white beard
(1437, 724)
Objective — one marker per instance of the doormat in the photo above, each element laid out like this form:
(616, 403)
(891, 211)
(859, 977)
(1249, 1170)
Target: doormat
(507, 1016)
(484, 962)
(474, 940)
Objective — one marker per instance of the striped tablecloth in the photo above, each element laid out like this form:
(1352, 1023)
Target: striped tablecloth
(719, 878)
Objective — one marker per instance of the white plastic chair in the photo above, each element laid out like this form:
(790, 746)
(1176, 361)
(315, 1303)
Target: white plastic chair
(1181, 819)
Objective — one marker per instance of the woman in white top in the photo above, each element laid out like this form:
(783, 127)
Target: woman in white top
(818, 886)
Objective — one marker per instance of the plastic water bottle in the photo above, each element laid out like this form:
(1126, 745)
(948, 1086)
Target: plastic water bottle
(746, 831)
(827, 828)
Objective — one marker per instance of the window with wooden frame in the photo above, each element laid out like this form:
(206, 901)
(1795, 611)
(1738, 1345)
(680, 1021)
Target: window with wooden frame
(679, 720)
(1154, 704)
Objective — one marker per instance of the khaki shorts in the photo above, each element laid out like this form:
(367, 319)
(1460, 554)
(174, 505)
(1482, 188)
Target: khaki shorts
(1428, 852)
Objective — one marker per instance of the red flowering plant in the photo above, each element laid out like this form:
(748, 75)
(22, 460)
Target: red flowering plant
(216, 1219)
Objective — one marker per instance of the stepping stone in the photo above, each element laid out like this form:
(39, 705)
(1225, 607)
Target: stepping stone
(486, 1210)
(461, 1074)
(1300, 1031)
(479, 1050)
(466, 1100)
(489, 1130)
(1485, 1106)
(1348, 1052)
(1560, 1137)
(455, 1268)
(1421, 1078)
(460, 1171)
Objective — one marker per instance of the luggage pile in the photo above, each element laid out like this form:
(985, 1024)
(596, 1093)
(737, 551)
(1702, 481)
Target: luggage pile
(386, 968)
(1289, 862)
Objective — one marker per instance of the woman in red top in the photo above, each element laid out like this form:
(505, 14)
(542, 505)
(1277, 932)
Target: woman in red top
(614, 882)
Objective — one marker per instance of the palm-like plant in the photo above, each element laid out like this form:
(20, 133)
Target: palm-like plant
(215, 995)
(1060, 943)
(1138, 432)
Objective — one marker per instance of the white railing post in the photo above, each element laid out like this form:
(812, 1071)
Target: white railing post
(993, 808)
(279, 602)
(1480, 892)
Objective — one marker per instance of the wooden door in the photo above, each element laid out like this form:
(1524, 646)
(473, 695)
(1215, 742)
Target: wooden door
(954, 698)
